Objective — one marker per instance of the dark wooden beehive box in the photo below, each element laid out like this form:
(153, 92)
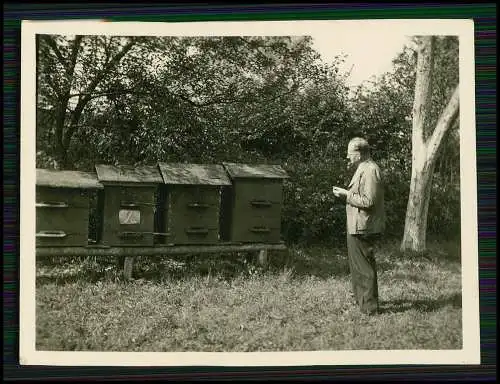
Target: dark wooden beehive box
(62, 207)
(129, 207)
(253, 205)
(192, 202)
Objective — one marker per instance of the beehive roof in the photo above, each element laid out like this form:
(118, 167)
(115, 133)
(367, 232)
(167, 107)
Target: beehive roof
(66, 179)
(128, 174)
(193, 174)
(269, 171)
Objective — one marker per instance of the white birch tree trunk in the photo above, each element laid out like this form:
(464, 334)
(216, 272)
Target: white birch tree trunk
(424, 151)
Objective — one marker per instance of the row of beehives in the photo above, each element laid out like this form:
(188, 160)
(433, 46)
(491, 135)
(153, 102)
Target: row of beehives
(163, 204)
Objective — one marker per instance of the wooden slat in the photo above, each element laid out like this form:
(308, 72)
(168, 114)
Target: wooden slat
(154, 251)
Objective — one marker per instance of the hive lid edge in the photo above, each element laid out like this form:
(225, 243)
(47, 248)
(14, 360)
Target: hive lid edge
(193, 174)
(116, 174)
(244, 170)
(66, 179)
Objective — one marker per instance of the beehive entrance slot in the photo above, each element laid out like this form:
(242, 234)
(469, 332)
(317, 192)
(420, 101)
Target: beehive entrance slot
(197, 205)
(197, 231)
(260, 230)
(261, 203)
(51, 234)
(52, 204)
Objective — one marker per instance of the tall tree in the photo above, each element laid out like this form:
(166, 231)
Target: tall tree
(72, 72)
(183, 98)
(426, 143)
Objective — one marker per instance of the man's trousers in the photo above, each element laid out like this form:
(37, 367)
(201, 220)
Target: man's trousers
(363, 268)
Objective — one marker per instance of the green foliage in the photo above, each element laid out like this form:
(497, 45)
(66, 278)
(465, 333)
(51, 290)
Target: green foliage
(131, 100)
(444, 210)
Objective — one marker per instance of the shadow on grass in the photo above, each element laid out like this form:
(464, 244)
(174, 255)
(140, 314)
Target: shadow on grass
(87, 277)
(70, 270)
(152, 268)
(430, 305)
(321, 262)
(446, 251)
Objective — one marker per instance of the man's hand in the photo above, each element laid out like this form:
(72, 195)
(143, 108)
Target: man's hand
(339, 192)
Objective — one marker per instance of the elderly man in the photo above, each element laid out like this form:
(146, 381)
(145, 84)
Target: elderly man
(365, 222)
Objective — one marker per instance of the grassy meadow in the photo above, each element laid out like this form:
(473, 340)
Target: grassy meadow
(213, 303)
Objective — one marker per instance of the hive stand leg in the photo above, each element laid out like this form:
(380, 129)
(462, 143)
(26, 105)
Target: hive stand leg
(262, 258)
(120, 260)
(128, 266)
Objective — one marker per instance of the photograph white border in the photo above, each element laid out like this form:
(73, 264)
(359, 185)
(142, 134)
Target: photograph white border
(469, 354)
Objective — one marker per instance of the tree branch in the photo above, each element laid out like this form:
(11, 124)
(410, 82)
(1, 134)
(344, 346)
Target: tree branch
(108, 67)
(94, 95)
(56, 89)
(218, 99)
(82, 102)
(249, 45)
(445, 122)
(62, 93)
(74, 55)
(52, 44)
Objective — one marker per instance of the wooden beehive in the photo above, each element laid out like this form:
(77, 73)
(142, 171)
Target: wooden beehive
(253, 205)
(192, 202)
(62, 207)
(130, 198)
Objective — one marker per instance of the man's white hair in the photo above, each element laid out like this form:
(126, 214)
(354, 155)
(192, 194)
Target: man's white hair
(360, 145)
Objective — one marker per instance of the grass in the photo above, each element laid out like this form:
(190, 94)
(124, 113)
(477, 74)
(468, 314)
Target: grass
(302, 301)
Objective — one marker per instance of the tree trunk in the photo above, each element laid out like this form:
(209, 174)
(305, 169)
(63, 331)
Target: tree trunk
(415, 233)
(425, 151)
(60, 153)
(418, 201)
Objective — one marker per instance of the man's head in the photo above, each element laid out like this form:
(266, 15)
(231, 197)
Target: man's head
(358, 150)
